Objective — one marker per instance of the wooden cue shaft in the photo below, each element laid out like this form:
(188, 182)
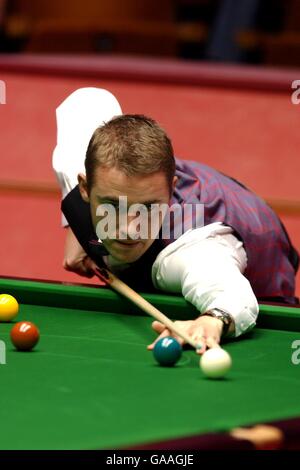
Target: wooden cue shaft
(113, 281)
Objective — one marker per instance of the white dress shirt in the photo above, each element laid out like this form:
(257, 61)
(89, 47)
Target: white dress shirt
(78, 116)
(206, 265)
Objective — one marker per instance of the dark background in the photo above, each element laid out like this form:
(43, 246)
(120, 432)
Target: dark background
(246, 31)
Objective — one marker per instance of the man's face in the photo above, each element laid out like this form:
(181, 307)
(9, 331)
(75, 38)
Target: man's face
(111, 184)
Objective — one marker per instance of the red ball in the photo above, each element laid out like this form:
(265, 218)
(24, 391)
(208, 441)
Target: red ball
(24, 335)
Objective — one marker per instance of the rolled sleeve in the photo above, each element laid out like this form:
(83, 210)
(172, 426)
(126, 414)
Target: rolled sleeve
(206, 265)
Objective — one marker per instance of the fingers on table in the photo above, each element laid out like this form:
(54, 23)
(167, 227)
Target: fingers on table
(162, 332)
(205, 337)
(198, 335)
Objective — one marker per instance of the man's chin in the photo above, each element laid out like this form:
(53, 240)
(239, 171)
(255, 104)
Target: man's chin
(126, 252)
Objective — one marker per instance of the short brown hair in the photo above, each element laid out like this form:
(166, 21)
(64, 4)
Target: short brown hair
(133, 143)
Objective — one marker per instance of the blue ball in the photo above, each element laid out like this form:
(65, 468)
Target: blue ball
(167, 351)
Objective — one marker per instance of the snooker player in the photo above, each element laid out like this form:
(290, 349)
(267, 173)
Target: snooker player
(222, 263)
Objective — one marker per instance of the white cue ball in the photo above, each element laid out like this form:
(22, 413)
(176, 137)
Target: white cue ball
(215, 363)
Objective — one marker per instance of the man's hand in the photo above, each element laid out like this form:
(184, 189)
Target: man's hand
(202, 330)
(75, 258)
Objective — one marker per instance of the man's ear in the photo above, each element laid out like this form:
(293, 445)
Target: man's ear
(175, 179)
(83, 187)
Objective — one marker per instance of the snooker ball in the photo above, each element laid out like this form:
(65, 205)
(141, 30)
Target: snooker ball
(167, 351)
(215, 363)
(9, 307)
(24, 335)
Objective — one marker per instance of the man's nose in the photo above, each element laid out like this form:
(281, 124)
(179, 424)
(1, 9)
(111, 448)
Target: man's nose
(131, 228)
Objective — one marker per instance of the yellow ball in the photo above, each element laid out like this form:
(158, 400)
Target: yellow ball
(9, 307)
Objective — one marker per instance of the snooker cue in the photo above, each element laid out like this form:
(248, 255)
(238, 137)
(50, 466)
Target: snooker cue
(113, 281)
